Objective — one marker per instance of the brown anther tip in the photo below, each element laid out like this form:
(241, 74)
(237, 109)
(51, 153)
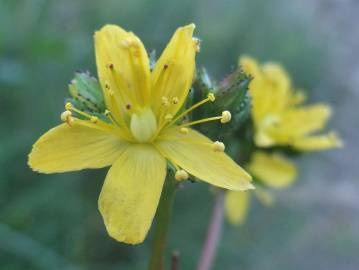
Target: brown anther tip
(165, 66)
(110, 66)
(128, 106)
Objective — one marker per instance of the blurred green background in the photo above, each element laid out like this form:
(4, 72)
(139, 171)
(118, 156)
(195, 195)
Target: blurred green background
(52, 221)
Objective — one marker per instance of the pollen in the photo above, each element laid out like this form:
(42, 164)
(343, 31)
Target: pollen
(181, 175)
(226, 117)
(184, 130)
(218, 146)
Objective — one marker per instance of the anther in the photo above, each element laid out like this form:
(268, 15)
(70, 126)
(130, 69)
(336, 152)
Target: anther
(181, 175)
(218, 146)
(211, 97)
(175, 100)
(226, 117)
(65, 115)
(165, 101)
(68, 106)
(107, 112)
(128, 106)
(111, 92)
(165, 66)
(94, 119)
(110, 66)
(168, 117)
(184, 130)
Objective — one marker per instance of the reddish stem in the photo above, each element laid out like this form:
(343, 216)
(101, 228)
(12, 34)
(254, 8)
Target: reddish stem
(213, 234)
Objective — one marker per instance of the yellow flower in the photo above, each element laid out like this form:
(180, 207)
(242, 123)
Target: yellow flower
(271, 170)
(278, 117)
(144, 131)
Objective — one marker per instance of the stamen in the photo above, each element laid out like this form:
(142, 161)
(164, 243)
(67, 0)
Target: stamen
(68, 106)
(218, 146)
(66, 116)
(201, 121)
(181, 175)
(184, 130)
(94, 119)
(112, 119)
(81, 112)
(226, 117)
(210, 97)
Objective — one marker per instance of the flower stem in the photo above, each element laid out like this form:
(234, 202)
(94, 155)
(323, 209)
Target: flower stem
(214, 232)
(163, 217)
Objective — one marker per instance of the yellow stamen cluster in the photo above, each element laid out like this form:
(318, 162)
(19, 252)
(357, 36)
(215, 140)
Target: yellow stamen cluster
(181, 175)
(67, 116)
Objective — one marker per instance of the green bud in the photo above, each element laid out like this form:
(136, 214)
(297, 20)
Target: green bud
(232, 95)
(86, 93)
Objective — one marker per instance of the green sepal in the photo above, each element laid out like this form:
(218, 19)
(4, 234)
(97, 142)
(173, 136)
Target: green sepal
(232, 95)
(86, 93)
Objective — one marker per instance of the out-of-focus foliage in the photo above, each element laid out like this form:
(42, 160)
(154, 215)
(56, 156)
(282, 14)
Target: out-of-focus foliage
(52, 221)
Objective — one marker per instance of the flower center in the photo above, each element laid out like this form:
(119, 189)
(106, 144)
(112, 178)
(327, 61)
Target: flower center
(143, 125)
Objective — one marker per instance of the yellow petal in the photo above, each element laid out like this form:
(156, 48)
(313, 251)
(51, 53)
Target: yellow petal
(250, 66)
(320, 142)
(236, 206)
(64, 148)
(301, 121)
(131, 192)
(272, 169)
(173, 73)
(291, 125)
(278, 80)
(123, 69)
(194, 153)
